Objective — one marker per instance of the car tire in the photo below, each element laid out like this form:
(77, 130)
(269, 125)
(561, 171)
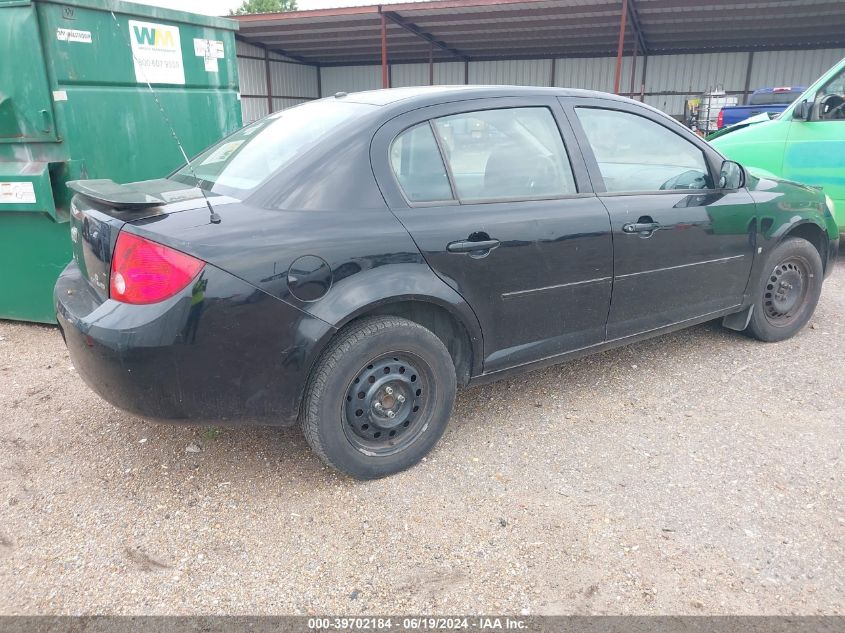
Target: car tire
(787, 293)
(379, 397)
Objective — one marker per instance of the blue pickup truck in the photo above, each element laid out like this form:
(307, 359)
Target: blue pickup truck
(771, 100)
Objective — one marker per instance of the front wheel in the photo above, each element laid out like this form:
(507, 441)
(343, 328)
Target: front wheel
(379, 398)
(788, 293)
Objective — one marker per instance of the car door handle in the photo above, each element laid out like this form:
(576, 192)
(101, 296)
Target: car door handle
(640, 227)
(469, 246)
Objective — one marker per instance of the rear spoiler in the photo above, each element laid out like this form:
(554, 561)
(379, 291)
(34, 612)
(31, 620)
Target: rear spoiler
(115, 195)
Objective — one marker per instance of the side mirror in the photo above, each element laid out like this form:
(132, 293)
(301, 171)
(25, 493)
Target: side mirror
(803, 111)
(731, 175)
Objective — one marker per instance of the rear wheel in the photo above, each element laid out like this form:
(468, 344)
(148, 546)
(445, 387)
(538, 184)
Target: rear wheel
(789, 292)
(379, 398)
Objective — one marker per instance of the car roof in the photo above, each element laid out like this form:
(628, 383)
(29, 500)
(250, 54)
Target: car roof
(419, 95)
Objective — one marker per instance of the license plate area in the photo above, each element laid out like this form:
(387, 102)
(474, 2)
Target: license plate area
(93, 233)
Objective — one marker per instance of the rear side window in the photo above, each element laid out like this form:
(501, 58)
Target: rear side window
(418, 166)
(507, 154)
(637, 154)
(245, 159)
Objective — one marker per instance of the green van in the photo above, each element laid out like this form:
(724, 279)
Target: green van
(806, 143)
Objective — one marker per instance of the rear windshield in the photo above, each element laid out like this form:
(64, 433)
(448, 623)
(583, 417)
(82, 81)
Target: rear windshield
(245, 159)
(774, 98)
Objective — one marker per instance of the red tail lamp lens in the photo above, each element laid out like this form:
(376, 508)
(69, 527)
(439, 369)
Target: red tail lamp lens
(143, 271)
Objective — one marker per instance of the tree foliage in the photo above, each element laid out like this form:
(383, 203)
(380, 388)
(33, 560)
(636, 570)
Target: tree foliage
(265, 6)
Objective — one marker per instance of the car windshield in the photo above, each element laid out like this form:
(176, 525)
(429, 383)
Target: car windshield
(245, 159)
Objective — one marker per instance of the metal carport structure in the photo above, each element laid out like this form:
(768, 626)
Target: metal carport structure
(467, 31)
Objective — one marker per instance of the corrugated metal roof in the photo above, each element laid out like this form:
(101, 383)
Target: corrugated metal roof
(511, 29)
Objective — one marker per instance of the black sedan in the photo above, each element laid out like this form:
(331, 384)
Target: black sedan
(348, 263)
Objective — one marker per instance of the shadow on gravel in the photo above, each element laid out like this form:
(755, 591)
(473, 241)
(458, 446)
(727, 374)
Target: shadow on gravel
(205, 456)
(222, 455)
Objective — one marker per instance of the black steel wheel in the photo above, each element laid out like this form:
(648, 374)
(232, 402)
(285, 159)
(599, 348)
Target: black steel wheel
(387, 403)
(789, 292)
(786, 291)
(379, 398)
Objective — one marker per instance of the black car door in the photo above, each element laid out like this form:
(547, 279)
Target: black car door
(508, 220)
(683, 248)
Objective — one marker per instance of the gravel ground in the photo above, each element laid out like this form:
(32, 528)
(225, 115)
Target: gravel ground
(697, 473)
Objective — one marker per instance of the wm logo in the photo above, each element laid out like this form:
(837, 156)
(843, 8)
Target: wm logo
(159, 38)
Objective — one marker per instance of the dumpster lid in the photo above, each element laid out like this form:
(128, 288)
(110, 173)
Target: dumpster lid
(132, 9)
(23, 169)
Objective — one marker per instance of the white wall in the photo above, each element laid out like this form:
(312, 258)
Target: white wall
(689, 74)
(402, 75)
(594, 73)
(291, 83)
(357, 78)
(252, 109)
(349, 79)
(448, 73)
(785, 68)
(516, 72)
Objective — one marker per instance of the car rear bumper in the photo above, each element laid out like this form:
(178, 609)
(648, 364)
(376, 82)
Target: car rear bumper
(236, 354)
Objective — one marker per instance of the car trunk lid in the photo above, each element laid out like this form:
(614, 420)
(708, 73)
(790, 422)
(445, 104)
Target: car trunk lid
(101, 208)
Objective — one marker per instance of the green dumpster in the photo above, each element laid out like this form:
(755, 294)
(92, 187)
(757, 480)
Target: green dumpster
(74, 103)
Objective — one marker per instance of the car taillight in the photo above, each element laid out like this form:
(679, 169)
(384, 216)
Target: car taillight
(143, 271)
(720, 120)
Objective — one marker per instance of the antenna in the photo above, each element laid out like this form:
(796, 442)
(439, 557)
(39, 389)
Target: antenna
(213, 217)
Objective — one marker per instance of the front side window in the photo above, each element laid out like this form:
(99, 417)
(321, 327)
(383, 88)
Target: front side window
(507, 154)
(830, 99)
(637, 154)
